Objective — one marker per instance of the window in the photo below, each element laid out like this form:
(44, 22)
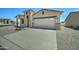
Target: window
(22, 21)
(42, 12)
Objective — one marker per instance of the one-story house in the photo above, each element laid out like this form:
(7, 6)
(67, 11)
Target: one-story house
(72, 20)
(6, 21)
(43, 18)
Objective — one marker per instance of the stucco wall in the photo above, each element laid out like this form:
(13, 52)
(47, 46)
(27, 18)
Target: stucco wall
(72, 20)
(46, 13)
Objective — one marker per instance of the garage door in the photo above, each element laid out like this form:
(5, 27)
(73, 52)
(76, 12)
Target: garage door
(44, 23)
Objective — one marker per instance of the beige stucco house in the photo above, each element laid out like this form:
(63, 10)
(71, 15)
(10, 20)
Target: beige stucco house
(5, 21)
(43, 18)
(72, 20)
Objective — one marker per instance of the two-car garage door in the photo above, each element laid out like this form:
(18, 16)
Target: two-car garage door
(44, 23)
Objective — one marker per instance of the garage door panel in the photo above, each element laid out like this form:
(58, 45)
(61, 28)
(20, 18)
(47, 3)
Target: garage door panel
(44, 23)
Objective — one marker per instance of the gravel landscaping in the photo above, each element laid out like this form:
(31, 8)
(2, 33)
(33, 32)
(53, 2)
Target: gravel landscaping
(6, 30)
(67, 39)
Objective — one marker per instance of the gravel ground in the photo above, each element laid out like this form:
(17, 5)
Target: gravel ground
(6, 30)
(67, 39)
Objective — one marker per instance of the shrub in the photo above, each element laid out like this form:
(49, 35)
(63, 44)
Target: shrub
(76, 27)
(18, 29)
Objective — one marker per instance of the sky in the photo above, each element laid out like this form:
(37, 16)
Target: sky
(12, 12)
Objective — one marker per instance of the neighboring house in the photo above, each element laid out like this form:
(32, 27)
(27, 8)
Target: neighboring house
(44, 18)
(12, 22)
(72, 20)
(5, 21)
(62, 23)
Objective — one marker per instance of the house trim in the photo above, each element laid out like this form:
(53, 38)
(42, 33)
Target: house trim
(48, 10)
(44, 17)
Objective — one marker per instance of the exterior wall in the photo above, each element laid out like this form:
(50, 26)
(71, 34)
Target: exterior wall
(30, 18)
(1, 21)
(58, 26)
(72, 19)
(17, 21)
(5, 21)
(46, 13)
(24, 24)
(57, 20)
(28, 21)
(25, 19)
(12, 22)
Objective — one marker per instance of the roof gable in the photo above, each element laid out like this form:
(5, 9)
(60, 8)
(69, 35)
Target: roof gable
(48, 10)
(47, 13)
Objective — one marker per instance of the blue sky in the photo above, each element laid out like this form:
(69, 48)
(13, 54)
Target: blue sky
(12, 12)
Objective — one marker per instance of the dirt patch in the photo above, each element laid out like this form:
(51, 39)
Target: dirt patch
(67, 39)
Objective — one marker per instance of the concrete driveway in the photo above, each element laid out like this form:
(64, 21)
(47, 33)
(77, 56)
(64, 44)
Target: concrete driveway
(34, 39)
